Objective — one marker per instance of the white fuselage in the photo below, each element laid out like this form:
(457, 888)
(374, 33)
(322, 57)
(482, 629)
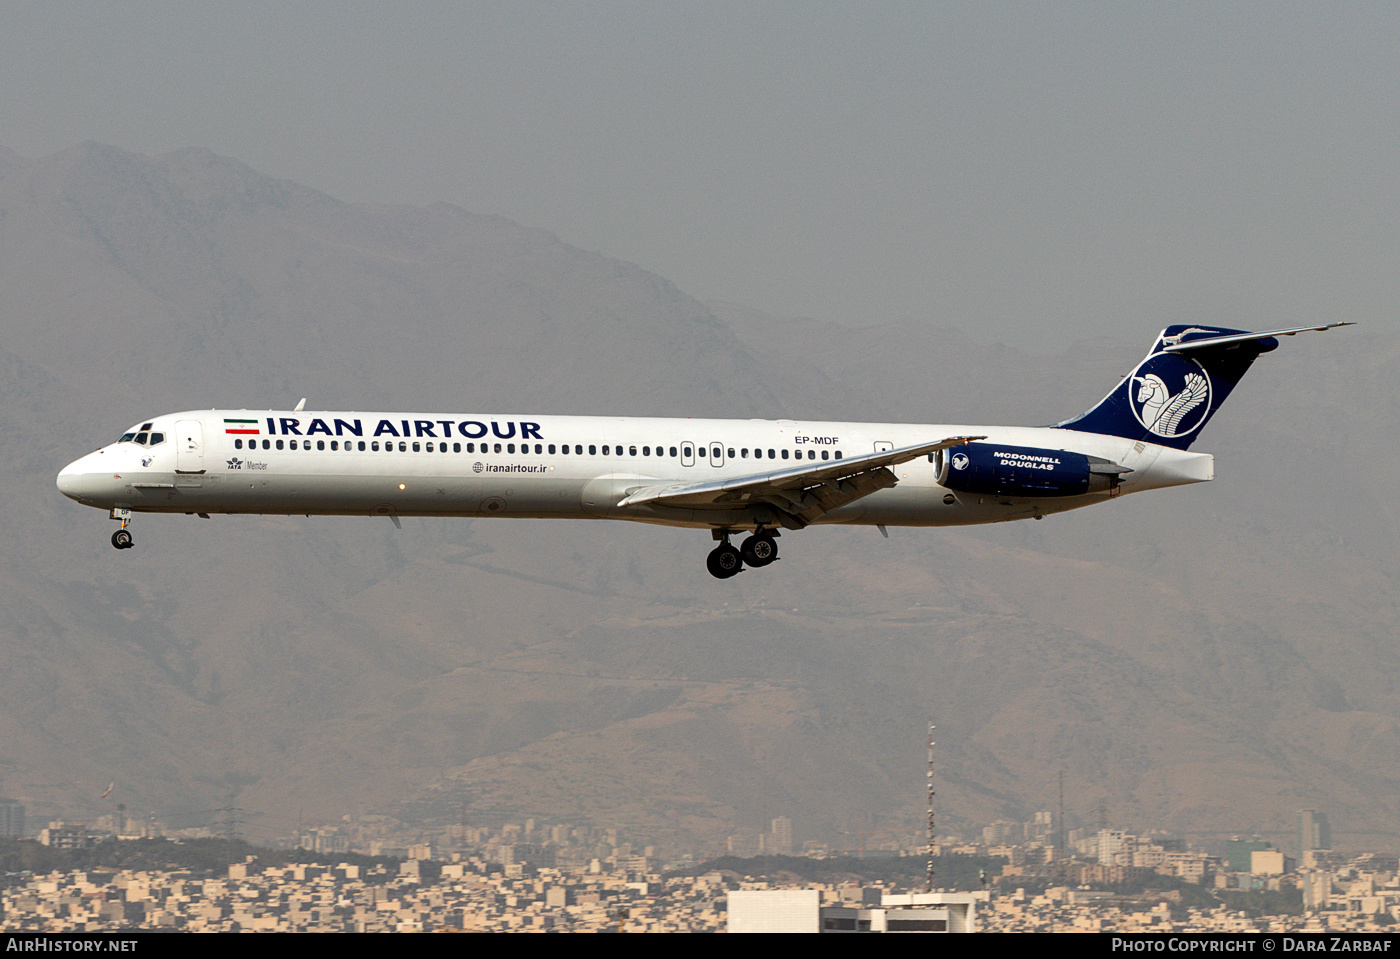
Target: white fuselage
(574, 467)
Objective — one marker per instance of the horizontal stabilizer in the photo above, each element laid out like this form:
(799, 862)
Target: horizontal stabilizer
(1184, 343)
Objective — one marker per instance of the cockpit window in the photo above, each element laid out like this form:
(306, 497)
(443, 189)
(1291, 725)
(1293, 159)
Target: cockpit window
(143, 436)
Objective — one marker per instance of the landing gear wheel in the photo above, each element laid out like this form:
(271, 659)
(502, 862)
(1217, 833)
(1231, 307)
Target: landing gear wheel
(724, 561)
(760, 549)
(121, 539)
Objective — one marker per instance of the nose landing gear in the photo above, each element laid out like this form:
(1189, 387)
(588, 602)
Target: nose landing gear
(121, 539)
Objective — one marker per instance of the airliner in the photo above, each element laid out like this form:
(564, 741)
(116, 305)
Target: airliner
(758, 478)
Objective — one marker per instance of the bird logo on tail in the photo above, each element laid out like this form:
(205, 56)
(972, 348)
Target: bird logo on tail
(1157, 407)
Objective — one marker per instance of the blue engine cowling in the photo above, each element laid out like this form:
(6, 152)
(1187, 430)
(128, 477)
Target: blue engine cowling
(991, 469)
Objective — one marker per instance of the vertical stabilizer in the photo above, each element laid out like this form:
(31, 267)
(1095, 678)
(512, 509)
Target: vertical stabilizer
(1174, 392)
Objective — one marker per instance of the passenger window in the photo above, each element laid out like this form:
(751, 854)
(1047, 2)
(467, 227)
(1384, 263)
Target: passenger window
(417, 447)
(811, 454)
(428, 446)
(238, 444)
(540, 449)
(744, 453)
(457, 447)
(785, 454)
(731, 454)
(403, 447)
(361, 445)
(631, 451)
(498, 447)
(838, 454)
(578, 449)
(321, 444)
(510, 447)
(374, 446)
(825, 455)
(592, 450)
(551, 449)
(267, 444)
(291, 444)
(646, 450)
(605, 450)
(673, 451)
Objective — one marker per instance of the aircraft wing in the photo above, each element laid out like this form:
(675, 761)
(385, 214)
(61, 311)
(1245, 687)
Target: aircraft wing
(801, 492)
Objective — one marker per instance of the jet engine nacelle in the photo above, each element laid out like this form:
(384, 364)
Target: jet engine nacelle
(991, 469)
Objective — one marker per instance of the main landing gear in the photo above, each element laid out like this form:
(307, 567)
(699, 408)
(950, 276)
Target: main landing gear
(121, 539)
(758, 550)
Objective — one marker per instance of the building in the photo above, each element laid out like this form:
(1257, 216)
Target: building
(62, 835)
(1269, 862)
(11, 819)
(1313, 832)
(1238, 853)
(800, 910)
(782, 836)
(775, 910)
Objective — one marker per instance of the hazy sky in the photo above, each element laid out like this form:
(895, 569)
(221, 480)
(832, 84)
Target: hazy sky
(1069, 169)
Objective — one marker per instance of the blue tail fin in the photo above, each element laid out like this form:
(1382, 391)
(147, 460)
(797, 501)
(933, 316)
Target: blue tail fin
(1175, 391)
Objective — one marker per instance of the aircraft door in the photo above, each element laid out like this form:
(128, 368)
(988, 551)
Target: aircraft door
(687, 453)
(189, 453)
(716, 454)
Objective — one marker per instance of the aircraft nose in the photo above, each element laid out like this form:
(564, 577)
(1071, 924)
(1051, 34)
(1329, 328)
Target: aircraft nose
(70, 480)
